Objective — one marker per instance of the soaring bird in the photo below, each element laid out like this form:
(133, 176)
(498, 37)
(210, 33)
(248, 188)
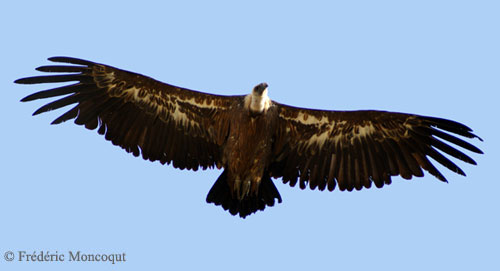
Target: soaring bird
(252, 137)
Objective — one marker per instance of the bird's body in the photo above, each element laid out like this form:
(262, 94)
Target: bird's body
(246, 154)
(244, 159)
(252, 137)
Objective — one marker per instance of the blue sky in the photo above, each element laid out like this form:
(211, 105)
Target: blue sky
(65, 188)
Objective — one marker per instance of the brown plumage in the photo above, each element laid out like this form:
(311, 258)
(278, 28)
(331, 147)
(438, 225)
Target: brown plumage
(251, 137)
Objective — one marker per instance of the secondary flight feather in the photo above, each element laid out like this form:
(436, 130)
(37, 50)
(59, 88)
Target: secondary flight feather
(253, 138)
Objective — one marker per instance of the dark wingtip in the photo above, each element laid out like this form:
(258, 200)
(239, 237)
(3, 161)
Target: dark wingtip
(24, 81)
(451, 126)
(442, 178)
(472, 135)
(446, 123)
(439, 176)
(71, 60)
(27, 99)
(32, 97)
(460, 171)
(40, 110)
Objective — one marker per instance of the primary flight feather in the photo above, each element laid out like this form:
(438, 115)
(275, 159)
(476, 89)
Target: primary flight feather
(252, 137)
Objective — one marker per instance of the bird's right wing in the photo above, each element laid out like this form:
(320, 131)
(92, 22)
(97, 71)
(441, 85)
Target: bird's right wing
(162, 122)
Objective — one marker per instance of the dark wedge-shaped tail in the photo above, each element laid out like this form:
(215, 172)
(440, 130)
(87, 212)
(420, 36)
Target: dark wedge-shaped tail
(220, 195)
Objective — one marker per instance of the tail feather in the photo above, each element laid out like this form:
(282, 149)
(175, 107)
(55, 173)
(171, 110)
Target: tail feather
(221, 195)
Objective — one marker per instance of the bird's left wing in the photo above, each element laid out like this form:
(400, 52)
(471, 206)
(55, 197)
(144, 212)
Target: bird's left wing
(355, 148)
(162, 122)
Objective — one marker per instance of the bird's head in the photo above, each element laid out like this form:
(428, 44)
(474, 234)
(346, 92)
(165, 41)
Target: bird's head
(258, 101)
(260, 89)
